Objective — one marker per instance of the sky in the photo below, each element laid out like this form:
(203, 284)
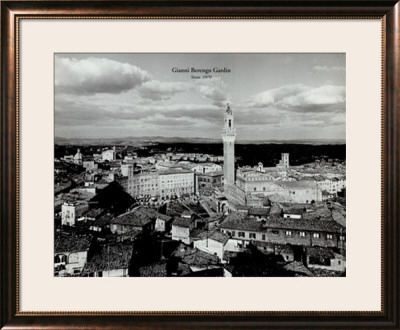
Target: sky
(273, 96)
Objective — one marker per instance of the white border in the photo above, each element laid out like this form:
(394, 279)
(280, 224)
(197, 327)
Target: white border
(359, 291)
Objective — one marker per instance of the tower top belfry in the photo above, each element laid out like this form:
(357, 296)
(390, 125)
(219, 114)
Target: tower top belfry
(228, 109)
(229, 127)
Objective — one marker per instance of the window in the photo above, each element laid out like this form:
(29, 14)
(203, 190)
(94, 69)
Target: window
(263, 237)
(341, 238)
(329, 236)
(316, 235)
(252, 235)
(241, 234)
(275, 232)
(288, 233)
(233, 233)
(302, 234)
(60, 258)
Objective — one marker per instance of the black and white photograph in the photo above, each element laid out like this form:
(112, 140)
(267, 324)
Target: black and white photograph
(200, 165)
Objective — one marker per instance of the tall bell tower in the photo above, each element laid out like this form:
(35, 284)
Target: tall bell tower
(228, 137)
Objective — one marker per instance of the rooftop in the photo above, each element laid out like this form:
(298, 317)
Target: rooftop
(215, 235)
(182, 222)
(110, 257)
(258, 211)
(175, 171)
(94, 213)
(199, 258)
(103, 220)
(164, 217)
(238, 221)
(72, 243)
(137, 218)
(298, 268)
(158, 269)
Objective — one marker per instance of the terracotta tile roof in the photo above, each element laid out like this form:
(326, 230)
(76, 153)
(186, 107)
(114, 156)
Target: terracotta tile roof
(158, 269)
(182, 222)
(297, 267)
(200, 259)
(164, 217)
(110, 258)
(103, 220)
(72, 243)
(94, 213)
(136, 218)
(194, 257)
(239, 221)
(323, 214)
(329, 226)
(259, 211)
(215, 235)
(339, 217)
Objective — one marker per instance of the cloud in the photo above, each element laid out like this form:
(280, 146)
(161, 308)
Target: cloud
(94, 75)
(196, 111)
(324, 68)
(157, 90)
(276, 95)
(302, 98)
(84, 111)
(258, 116)
(213, 89)
(176, 122)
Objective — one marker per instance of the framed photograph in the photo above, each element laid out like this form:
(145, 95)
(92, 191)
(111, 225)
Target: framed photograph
(186, 165)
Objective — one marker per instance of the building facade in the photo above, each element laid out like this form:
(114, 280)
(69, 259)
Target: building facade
(145, 184)
(176, 183)
(71, 211)
(109, 155)
(164, 184)
(209, 180)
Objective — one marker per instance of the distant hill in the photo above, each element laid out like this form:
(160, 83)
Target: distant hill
(148, 140)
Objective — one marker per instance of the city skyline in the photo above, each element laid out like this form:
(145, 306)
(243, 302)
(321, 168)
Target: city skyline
(273, 96)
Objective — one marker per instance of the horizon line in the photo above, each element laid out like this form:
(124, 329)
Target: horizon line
(193, 138)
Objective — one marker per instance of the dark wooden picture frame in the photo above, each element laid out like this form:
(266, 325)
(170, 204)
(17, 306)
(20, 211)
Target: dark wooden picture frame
(387, 11)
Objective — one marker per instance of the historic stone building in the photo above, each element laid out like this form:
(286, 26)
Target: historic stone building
(164, 184)
(250, 185)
